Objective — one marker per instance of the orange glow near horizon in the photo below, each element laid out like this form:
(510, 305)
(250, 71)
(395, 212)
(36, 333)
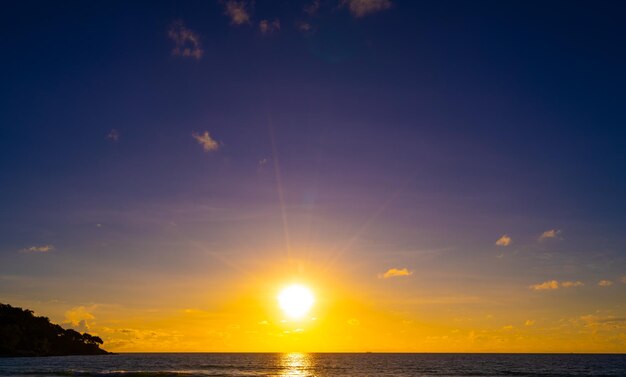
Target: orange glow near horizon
(266, 311)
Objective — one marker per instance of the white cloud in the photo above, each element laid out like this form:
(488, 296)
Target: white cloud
(395, 272)
(605, 283)
(360, 8)
(113, 135)
(549, 234)
(237, 11)
(186, 42)
(39, 249)
(529, 322)
(269, 27)
(208, 143)
(504, 241)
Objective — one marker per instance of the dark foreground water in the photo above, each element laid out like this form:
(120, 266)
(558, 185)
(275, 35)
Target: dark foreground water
(294, 364)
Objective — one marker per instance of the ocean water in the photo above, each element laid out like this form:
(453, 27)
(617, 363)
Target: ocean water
(300, 365)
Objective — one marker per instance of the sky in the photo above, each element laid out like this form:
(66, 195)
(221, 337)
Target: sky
(445, 176)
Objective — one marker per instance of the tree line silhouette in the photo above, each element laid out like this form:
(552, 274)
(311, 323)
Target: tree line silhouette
(24, 334)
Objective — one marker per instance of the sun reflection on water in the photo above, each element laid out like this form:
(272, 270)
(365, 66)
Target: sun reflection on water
(295, 364)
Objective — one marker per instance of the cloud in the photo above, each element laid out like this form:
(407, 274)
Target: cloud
(261, 165)
(39, 249)
(113, 135)
(312, 8)
(605, 283)
(269, 27)
(78, 313)
(608, 323)
(208, 143)
(79, 317)
(549, 234)
(570, 284)
(553, 284)
(360, 8)
(395, 272)
(529, 322)
(504, 241)
(237, 11)
(186, 42)
(305, 27)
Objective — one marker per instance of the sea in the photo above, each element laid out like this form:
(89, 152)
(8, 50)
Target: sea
(317, 364)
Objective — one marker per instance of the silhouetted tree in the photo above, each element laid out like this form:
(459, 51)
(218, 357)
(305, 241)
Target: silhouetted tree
(24, 334)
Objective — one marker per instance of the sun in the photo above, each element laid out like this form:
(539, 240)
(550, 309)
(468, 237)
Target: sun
(296, 300)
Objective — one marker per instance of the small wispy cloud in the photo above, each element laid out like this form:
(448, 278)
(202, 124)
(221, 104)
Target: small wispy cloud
(113, 135)
(360, 8)
(208, 143)
(570, 284)
(546, 285)
(186, 42)
(601, 322)
(529, 322)
(269, 27)
(395, 272)
(553, 284)
(237, 11)
(38, 249)
(504, 241)
(550, 234)
(312, 8)
(305, 27)
(605, 283)
(261, 165)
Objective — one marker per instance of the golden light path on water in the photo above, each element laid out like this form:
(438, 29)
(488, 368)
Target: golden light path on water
(295, 364)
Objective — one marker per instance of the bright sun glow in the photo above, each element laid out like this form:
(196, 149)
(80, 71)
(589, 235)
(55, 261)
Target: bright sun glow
(296, 300)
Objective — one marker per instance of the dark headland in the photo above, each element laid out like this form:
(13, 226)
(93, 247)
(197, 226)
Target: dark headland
(24, 334)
